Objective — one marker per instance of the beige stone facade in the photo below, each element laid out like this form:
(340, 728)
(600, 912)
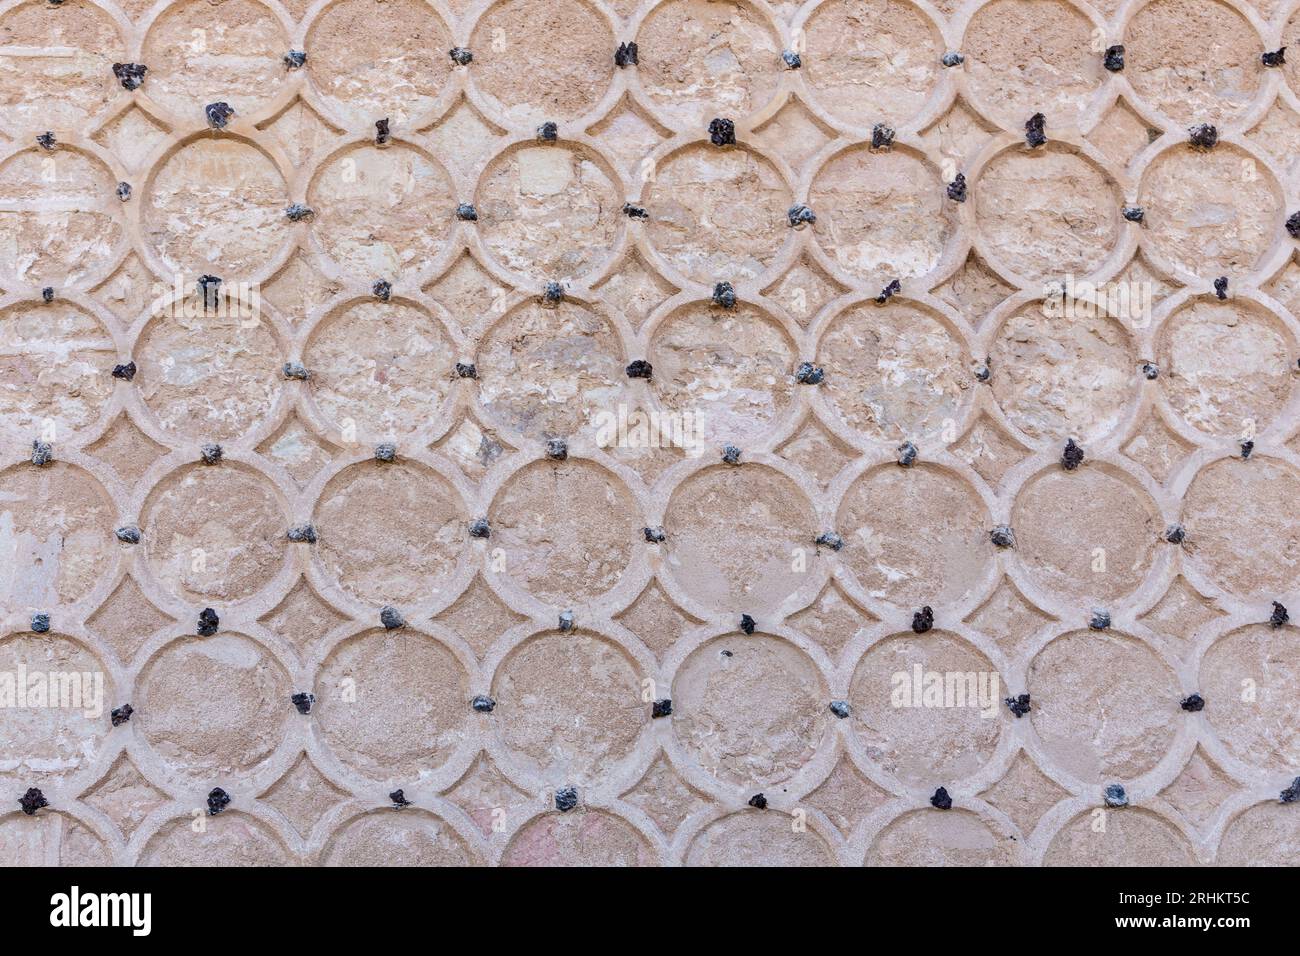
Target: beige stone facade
(579, 503)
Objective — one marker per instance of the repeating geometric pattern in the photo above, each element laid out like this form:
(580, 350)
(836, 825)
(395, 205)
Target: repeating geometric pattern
(636, 215)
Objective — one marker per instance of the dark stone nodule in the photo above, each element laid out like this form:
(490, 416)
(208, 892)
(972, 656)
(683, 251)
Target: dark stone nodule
(385, 451)
(218, 800)
(829, 539)
(460, 56)
(211, 454)
(639, 368)
(882, 136)
(296, 370)
(1003, 536)
(809, 374)
(758, 801)
(923, 620)
(303, 701)
(724, 295)
(302, 534)
(479, 528)
(1293, 225)
(483, 704)
(126, 371)
(295, 59)
(391, 617)
(722, 132)
(381, 289)
(984, 371)
(382, 133)
(1100, 620)
(566, 798)
(661, 708)
(1114, 58)
(297, 212)
(1192, 703)
(1151, 371)
(466, 212)
(1134, 213)
(130, 75)
(907, 454)
(548, 132)
(1221, 288)
(1018, 705)
(731, 455)
(466, 370)
(124, 191)
(747, 624)
(218, 114)
(47, 294)
(42, 453)
(1072, 456)
(47, 141)
(1247, 449)
(1291, 794)
(209, 290)
(655, 535)
(791, 59)
(626, 55)
(566, 621)
(33, 800)
(840, 708)
(799, 215)
(1279, 616)
(952, 59)
(128, 534)
(889, 291)
(635, 212)
(957, 188)
(121, 715)
(1273, 57)
(940, 800)
(557, 449)
(209, 621)
(553, 294)
(1175, 534)
(398, 799)
(1203, 136)
(1034, 131)
(1116, 797)
(41, 623)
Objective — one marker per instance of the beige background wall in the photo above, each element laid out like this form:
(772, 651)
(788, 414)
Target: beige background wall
(653, 620)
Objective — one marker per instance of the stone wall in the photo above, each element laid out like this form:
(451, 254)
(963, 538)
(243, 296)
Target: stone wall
(695, 480)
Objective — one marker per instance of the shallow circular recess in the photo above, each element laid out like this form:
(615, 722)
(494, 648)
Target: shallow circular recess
(56, 364)
(58, 536)
(383, 367)
(214, 533)
(1086, 535)
(58, 725)
(1197, 61)
(373, 59)
(1032, 56)
(57, 231)
(1226, 366)
(66, 76)
(551, 371)
(212, 707)
(390, 533)
(754, 717)
(1133, 837)
(569, 706)
(1244, 518)
(1047, 213)
(881, 215)
(1105, 706)
(382, 213)
(1264, 729)
(412, 838)
(52, 838)
(735, 536)
(927, 707)
(925, 838)
(894, 372)
(1062, 368)
(208, 376)
(538, 60)
(216, 207)
(231, 839)
(566, 530)
(549, 212)
(579, 838)
(717, 215)
(758, 839)
(701, 59)
(1267, 834)
(726, 372)
(198, 56)
(392, 705)
(915, 536)
(871, 61)
(1210, 214)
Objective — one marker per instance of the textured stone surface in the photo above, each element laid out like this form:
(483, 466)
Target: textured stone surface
(560, 608)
